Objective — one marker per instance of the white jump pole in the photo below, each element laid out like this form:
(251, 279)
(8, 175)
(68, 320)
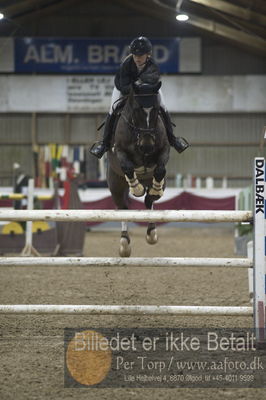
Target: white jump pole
(126, 215)
(125, 262)
(124, 310)
(259, 250)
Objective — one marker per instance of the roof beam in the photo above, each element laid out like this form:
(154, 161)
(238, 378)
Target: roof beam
(24, 6)
(228, 8)
(235, 36)
(259, 5)
(34, 15)
(150, 10)
(248, 27)
(226, 32)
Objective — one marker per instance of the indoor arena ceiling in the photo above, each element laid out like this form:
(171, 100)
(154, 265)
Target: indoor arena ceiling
(240, 22)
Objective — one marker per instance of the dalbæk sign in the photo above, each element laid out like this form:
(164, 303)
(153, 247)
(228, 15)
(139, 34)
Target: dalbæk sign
(95, 56)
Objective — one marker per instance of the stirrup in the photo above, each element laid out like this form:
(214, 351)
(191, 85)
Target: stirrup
(180, 144)
(98, 149)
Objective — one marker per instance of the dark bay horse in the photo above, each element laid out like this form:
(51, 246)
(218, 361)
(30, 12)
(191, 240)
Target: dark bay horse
(138, 156)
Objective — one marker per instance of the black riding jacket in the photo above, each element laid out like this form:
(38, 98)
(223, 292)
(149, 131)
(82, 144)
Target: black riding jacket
(128, 73)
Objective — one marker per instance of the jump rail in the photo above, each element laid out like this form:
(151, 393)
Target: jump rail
(124, 262)
(126, 215)
(124, 310)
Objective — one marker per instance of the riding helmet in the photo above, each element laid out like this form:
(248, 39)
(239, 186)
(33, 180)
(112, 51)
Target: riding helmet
(140, 45)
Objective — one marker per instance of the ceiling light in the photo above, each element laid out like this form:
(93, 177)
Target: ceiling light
(182, 17)
(1, 15)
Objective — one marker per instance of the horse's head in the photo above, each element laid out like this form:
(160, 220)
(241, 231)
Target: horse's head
(144, 112)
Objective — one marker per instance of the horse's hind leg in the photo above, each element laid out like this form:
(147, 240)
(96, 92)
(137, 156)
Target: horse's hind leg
(152, 235)
(125, 248)
(119, 190)
(121, 202)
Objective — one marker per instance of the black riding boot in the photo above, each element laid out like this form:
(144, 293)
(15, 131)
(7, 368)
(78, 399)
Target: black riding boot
(179, 143)
(98, 149)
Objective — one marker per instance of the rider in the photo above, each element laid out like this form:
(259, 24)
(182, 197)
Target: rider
(138, 67)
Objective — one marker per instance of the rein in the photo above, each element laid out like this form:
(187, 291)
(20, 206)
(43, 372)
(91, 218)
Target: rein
(136, 128)
(119, 101)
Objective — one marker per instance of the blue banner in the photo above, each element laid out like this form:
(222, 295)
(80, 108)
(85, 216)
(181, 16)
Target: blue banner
(93, 56)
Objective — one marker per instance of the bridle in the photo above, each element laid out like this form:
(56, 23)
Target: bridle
(138, 131)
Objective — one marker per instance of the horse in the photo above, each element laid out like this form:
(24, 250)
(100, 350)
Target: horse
(137, 158)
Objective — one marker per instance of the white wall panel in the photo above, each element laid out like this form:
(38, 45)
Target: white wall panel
(197, 94)
(32, 93)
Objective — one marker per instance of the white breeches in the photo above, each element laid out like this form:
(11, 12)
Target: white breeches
(161, 100)
(117, 94)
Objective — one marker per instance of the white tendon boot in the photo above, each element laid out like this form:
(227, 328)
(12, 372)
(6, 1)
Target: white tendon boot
(135, 187)
(157, 188)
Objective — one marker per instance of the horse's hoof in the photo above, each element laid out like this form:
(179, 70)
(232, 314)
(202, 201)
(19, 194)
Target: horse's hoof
(138, 190)
(125, 249)
(152, 237)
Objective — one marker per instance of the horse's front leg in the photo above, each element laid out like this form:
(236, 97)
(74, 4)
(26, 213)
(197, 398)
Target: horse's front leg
(158, 183)
(135, 187)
